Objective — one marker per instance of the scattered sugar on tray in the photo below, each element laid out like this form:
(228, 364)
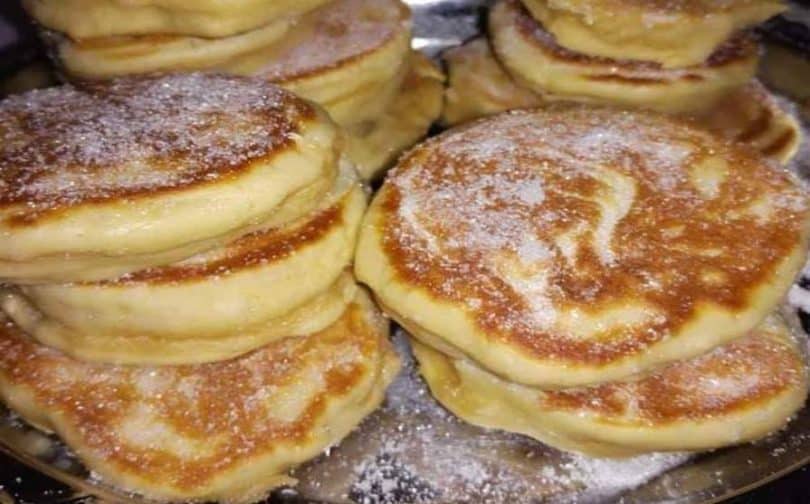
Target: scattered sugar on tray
(415, 451)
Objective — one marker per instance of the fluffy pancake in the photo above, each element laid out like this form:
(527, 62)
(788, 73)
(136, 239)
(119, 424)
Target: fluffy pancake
(535, 59)
(675, 33)
(374, 145)
(349, 56)
(212, 306)
(478, 86)
(753, 115)
(82, 19)
(112, 177)
(572, 244)
(221, 431)
(737, 393)
(106, 57)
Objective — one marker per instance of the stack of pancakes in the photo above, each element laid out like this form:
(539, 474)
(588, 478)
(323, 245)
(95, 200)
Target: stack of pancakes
(353, 57)
(178, 304)
(605, 281)
(689, 57)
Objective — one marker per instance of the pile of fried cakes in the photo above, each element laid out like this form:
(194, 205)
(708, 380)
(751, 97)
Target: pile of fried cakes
(353, 57)
(598, 261)
(692, 58)
(179, 305)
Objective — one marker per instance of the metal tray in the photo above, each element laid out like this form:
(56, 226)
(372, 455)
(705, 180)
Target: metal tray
(412, 450)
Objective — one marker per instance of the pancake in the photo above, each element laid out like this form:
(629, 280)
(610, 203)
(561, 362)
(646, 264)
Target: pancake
(350, 56)
(113, 177)
(83, 19)
(115, 56)
(534, 59)
(754, 116)
(478, 85)
(737, 393)
(224, 431)
(212, 306)
(675, 33)
(374, 145)
(573, 245)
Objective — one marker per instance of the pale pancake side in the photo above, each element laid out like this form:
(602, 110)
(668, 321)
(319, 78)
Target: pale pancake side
(83, 19)
(127, 167)
(735, 394)
(373, 146)
(591, 244)
(535, 59)
(107, 57)
(222, 431)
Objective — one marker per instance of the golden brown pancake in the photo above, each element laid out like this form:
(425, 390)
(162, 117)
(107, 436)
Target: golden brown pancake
(737, 393)
(349, 56)
(572, 244)
(375, 144)
(82, 19)
(675, 33)
(263, 286)
(478, 85)
(537, 61)
(225, 431)
(112, 177)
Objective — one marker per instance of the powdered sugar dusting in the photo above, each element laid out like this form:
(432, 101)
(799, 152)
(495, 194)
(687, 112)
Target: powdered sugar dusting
(69, 144)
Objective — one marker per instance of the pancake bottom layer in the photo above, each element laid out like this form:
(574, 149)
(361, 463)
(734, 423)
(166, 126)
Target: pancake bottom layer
(533, 57)
(735, 394)
(374, 145)
(222, 431)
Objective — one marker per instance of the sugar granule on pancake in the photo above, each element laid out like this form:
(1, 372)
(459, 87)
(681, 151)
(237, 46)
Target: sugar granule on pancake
(592, 243)
(125, 168)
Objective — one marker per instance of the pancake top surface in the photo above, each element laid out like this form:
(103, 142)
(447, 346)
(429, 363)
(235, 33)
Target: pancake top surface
(740, 47)
(186, 425)
(64, 146)
(336, 34)
(728, 379)
(588, 234)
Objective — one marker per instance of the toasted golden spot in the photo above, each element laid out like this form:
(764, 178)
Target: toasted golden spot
(586, 234)
(733, 378)
(183, 426)
(69, 146)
